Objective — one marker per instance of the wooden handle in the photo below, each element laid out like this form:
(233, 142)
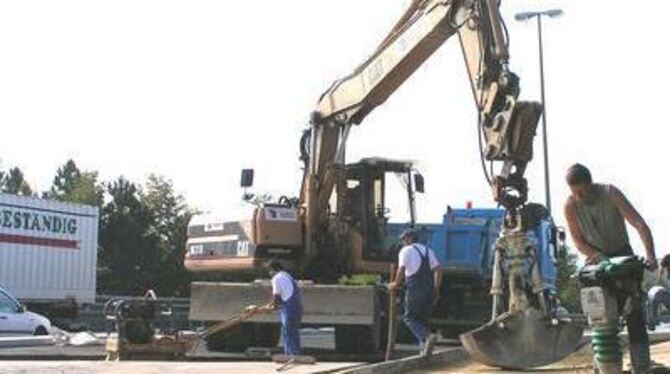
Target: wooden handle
(390, 336)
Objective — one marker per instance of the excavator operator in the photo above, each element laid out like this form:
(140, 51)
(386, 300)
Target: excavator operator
(596, 215)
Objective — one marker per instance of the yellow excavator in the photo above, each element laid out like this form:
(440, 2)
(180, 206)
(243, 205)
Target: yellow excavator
(337, 225)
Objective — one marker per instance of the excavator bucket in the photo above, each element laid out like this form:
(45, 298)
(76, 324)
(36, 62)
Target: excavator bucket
(522, 340)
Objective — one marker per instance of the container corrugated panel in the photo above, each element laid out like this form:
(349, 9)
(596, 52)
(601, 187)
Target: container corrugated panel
(48, 249)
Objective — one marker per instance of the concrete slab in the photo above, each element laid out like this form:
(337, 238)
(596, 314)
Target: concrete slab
(324, 304)
(404, 365)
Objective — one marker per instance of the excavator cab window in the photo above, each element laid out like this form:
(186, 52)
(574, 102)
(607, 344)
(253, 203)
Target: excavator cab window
(377, 195)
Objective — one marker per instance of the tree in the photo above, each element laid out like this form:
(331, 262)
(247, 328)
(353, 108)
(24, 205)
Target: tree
(566, 281)
(13, 182)
(170, 223)
(129, 255)
(76, 186)
(64, 181)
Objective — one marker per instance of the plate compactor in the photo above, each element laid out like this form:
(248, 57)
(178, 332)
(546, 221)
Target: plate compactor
(611, 289)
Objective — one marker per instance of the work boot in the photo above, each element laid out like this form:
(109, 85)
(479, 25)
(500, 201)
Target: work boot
(428, 345)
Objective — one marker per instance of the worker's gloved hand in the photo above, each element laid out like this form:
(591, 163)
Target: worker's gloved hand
(651, 263)
(393, 287)
(251, 308)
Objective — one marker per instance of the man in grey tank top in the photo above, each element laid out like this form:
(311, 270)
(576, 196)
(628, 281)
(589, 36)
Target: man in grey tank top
(596, 215)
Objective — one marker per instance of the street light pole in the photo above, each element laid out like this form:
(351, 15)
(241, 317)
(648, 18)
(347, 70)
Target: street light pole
(544, 118)
(524, 17)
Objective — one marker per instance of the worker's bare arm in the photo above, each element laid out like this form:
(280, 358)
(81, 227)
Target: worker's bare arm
(635, 219)
(592, 254)
(399, 279)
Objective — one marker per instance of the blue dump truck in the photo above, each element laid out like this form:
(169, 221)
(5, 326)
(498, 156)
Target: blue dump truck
(463, 243)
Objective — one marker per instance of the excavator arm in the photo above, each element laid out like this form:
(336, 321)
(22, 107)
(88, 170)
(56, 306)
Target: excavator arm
(506, 125)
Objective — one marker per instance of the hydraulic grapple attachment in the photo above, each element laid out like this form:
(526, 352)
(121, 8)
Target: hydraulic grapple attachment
(529, 334)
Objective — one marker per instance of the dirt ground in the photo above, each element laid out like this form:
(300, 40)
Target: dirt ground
(579, 362)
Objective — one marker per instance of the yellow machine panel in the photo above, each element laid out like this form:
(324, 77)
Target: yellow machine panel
(277, 226)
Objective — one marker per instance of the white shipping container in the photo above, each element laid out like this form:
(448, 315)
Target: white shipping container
(48, 249)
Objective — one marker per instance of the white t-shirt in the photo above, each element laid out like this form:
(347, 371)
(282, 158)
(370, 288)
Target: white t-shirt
(411, 260)
(282, 285)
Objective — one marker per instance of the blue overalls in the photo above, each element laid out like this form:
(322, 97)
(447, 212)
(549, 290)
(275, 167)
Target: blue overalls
(290, 317)
(419, 299)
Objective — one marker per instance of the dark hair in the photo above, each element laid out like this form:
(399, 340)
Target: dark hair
(273, 265)
(578, 174)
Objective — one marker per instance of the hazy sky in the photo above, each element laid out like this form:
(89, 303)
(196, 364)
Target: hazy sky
(196, 90)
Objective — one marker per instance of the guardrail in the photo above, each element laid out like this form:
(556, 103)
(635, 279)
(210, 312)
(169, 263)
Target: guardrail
(173, 314)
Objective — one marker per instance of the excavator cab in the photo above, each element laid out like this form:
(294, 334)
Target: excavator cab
(379, 192)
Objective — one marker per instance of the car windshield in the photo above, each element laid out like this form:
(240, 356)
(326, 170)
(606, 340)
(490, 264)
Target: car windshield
(7, 304)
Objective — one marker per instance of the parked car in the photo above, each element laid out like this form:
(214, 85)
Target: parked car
(16, 320)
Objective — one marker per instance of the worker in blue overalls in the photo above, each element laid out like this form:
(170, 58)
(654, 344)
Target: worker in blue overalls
(285, 297)
(422, 273)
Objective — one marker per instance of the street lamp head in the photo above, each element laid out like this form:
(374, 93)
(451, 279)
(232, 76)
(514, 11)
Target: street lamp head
(525, 16)
(553, 12)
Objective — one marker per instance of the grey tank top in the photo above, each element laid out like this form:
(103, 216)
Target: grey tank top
(602, 224)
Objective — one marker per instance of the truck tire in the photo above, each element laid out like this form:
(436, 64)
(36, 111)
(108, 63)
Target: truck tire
(355, 340)
(266, 335)
(235, 339)
(403, 335)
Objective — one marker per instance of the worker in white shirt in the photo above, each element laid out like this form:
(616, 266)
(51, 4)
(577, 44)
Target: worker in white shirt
(285, 297)
(422, 274)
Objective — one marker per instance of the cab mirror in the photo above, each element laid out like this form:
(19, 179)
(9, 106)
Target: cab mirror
(22, 308)
(418, 183)
(247, 179)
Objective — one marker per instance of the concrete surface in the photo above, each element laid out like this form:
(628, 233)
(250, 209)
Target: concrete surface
(579, 362)
(152, 367)
(440, 357)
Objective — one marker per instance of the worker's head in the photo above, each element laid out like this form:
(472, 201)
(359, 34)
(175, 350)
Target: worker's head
(580, 182)
(273, 267)
(409, 236)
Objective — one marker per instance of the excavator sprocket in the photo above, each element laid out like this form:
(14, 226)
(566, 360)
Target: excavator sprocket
(521, 340)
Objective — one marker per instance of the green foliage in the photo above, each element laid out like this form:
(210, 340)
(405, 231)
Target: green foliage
(129, 255)
(76, 186)
(359, 280)
(170, 222)
(13, 182)
(143, 235)
(566, 280)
